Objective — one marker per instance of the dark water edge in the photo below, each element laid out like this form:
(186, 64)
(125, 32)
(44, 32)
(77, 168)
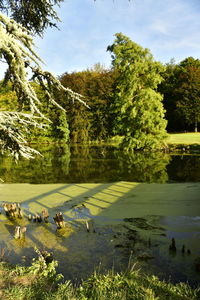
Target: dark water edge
(98, 164)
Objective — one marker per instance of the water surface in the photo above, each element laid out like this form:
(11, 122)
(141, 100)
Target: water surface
(128, 216)
(100, 164)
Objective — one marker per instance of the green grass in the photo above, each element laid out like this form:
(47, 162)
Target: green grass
(39, 281)
(184, 138)
(190, 138)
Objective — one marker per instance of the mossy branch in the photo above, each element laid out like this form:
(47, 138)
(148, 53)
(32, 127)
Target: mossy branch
(16, 49)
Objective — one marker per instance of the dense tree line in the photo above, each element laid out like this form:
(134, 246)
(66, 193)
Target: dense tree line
(97, 85)
(134, 99)
(181, 90)
(20, 21)
(106, 115)
(125, 100)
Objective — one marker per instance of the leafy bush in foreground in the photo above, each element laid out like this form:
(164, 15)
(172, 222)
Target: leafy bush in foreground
(40, 281)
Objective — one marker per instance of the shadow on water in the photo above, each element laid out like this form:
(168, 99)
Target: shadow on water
(126, 217)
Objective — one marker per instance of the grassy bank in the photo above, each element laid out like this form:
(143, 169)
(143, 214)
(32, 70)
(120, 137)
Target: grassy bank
(184, 142)
(190, 138)
(40, 281)
(175, 140)
(184, 138)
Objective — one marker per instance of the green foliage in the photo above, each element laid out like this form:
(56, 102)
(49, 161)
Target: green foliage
(97, 86)
(175, 122)
(110, 286)
(133, 285)
(62, 128)
(40, 267)
(149, 166)
(8, 98)
(16, 49)
(181, 90)
(187, 90)
(56, 130)
(35, 15)
(137, 109)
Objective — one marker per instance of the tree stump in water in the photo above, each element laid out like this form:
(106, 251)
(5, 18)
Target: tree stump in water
(45, 215)
(59, 220)
(30, 217)
(172, 246)
(90, 226)
(37, 218)
(48, 256)
(13, 210)
(19, 232)
(87, 226)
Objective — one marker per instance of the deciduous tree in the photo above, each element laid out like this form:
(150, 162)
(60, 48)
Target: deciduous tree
(97, 85)
(187, 91)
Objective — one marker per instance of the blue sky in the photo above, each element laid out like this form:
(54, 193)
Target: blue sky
(170, 29)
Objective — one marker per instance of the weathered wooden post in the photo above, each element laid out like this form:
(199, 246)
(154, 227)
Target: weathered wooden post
(39, 218)
(45, 215)
(13, 210)
(172, 246)
(6, 208)
(20, 214)
(19, 232)
(87, 226)
(59, 220)
(36, 218)
(90, 226)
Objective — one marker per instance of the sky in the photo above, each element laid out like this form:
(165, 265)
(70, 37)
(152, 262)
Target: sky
(170, 29)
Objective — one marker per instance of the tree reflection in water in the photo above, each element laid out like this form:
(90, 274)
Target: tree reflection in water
(82, 163)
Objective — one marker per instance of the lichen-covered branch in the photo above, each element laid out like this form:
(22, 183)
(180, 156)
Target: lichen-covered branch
(13, 125)
(36, 15)
(16, 49)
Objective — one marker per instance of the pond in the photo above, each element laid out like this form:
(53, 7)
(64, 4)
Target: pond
(133, 204)
(100, 164)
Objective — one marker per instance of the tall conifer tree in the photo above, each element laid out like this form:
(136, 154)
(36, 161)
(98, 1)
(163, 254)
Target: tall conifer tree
(138, 111)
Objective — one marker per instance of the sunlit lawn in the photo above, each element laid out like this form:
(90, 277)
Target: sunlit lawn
(184, 138)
